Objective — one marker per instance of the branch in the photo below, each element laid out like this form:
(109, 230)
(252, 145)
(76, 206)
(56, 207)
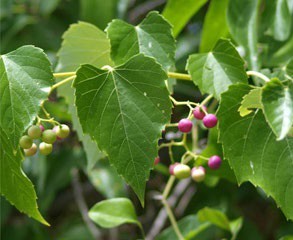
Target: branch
(83, 209)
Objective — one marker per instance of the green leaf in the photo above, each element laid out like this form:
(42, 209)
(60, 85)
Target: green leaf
(113, 212)
(277, 101)
(289, 69)
(179, 12)
(281, 25)
(215, 25)
(98, 12)
(242, 22)
(215, 71)
(15, 186)
(82, 43)
(153, 37)
(26, 78)
(251, 148)
(250, 101)
(190, 227)
(106, 180)
(215, 217)
(124, 109)
(235, 226)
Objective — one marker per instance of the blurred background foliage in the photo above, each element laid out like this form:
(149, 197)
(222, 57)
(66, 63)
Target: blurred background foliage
(63, 181)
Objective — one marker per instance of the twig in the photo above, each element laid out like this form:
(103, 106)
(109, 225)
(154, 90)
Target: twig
(77, 190)
(161, 218)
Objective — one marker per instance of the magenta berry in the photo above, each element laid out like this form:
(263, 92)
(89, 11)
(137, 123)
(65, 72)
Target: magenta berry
(171, 168)
(210, 120)
(42, 128)
(157, 160)
(198, 173)
(214, 162)
(185, 125)
(198, 113)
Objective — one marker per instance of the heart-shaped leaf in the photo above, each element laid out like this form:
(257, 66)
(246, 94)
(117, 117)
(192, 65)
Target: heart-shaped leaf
(277, 101)
(124, 109)
(152, 37)
(215, 71)
(26, 78)
(252, 150)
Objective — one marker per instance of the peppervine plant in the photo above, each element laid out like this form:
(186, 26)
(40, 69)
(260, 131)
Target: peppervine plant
(118, 88)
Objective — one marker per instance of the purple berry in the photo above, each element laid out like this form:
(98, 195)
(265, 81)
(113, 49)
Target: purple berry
(185, 125)
(171, 168)
(198, 113)
(214, 162)
(210, 120)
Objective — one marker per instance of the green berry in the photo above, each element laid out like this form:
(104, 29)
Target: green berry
(62, 131)
(31, 151)
(49, 136)
(34, 132)
(181, 171)
(25, 142)
(45, 148)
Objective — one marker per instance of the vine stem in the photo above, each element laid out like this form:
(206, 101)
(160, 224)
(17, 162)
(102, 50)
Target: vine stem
(258, 74)
(58, 84)
(182, 76)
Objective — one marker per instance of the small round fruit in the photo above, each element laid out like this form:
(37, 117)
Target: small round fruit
(171, 168)
(62, 131)
(34, 132)
(210, 120)
(45, 148)
(157, 160)
(185, 125)
(198, 113)
(49, 136)
(42, 128)
(181, 171)
(198, 173)
(214, 162)
(290, 133)
(31, 151)
(25, 142)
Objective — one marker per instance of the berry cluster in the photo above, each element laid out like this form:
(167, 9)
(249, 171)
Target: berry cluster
(182, 171)
(48, 137)
(200, 113)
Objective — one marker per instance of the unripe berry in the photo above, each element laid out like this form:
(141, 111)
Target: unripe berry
(290, 133)
(31, 151)
(185, 125)
(49, 136)
(62, 131)
(25, 142)
(210, 120)
(45, 148)
(198, 173)
(157, 160)
(181, 171)
(215, 162)
(34, 132)
(171, 168)
(198, 113)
